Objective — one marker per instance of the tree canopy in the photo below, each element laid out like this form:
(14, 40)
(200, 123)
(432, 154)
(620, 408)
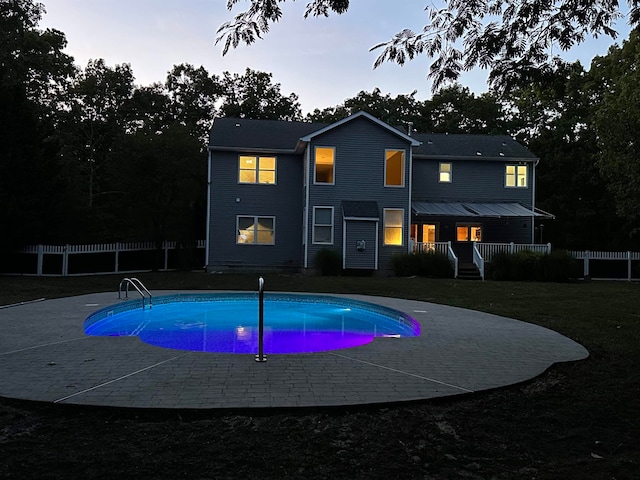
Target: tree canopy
(513, 39)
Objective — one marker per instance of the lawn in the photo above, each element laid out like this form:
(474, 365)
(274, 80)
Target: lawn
(577, 420)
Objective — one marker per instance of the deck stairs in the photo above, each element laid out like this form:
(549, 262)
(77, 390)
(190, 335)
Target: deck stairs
(468, 271)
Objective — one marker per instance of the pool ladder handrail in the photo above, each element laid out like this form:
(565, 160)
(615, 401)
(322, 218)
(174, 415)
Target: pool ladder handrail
(139, 286)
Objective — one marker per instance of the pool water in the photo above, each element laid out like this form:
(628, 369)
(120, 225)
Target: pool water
(228, 323)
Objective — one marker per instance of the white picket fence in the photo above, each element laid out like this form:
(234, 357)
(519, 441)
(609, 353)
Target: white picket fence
(587, 256)
(66, 251)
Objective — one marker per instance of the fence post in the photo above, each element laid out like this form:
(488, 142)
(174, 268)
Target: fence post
(40, 260)
(117, 256)
(165, 244)
(511, 248)
(586, 264)
(628, 266)
(65, 261)
(549, 248)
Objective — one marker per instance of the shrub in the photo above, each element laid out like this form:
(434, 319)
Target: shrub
(426, 264)
(527, 265)
(329, 262)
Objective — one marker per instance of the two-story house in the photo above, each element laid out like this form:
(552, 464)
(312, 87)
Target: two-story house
(279, 192)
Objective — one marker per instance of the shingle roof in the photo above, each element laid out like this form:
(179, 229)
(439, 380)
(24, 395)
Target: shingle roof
(259, 134)
(467, 145)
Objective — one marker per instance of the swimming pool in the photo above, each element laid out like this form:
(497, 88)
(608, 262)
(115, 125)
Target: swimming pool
(228, 322)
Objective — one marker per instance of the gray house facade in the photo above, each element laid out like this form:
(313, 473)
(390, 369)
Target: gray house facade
(280, 192)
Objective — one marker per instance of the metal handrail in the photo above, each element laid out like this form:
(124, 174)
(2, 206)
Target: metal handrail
(139, 286)
(260, 357)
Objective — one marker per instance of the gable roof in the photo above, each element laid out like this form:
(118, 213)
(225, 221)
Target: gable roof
(257, 135)
(414, 142)
(460, 146)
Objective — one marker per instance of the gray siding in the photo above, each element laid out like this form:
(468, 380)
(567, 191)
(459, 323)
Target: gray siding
(472, 180)
(284, 201)
(360, 230)
(359, 175)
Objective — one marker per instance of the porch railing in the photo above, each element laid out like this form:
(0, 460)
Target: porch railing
(586, 256)
(482, 252)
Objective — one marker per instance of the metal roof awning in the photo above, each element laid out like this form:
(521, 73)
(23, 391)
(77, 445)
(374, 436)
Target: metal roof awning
(360, 210)
(469, 209)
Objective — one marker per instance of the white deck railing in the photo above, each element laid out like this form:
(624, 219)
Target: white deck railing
(115, 248)
(588, 255)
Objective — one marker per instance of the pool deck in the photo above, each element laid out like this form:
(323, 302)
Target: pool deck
(45, 356)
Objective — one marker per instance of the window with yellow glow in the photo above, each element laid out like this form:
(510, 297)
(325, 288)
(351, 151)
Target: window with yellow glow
(469, 233)
(393, 226)
(325, 163)
(428, 233)
(394, 168)
(255, 230)
(445, 173)
(257, 169)
(516, 176)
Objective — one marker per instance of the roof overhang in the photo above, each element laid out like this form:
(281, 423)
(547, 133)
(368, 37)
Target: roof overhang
(473, 209)
(413, 141)
(360, 210)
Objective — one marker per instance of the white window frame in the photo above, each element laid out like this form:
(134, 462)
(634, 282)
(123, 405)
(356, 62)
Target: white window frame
(450, 172)
(384, 228)
(516, 176)
(404, 163)
(256, 219)
(257, 170)
(315, 165)
(314, 225)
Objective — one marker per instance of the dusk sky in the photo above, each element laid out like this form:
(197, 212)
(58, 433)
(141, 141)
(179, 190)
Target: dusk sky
(323, 60)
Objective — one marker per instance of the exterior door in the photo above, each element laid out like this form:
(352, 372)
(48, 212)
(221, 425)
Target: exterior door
(360, 244)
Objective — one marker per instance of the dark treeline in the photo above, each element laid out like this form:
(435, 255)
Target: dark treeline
(88, 156)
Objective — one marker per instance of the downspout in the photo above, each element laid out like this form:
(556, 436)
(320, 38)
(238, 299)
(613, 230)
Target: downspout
(206, 246)
(533, 202)
(408, 234)
(307, 185)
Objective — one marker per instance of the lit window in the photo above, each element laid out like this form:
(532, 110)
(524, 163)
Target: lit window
(323, 225)
(256, 230)
(428, 233)
(445, 173)
(394, 168)
(325, 162)
(393, 223)
(516, 176)
(469, 233)
(257, 169)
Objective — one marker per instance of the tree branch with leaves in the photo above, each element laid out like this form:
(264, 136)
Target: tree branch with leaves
(515, 40)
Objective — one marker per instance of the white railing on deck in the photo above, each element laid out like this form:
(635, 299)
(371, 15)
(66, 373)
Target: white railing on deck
(115, 248)
(478, 261)
(588, 255)
(488, 250)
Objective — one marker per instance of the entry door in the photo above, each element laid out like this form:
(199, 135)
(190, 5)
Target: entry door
(360, 244)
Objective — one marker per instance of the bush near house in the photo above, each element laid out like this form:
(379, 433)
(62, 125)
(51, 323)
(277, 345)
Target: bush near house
(423, 264)
(329, 262)
(557, 266)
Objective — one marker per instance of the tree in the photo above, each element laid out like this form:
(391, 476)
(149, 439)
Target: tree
(33, 72)
(514, 39)
(254, 95)
(616, 83)
(193, 93)
(455, 109)
(397, 111)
